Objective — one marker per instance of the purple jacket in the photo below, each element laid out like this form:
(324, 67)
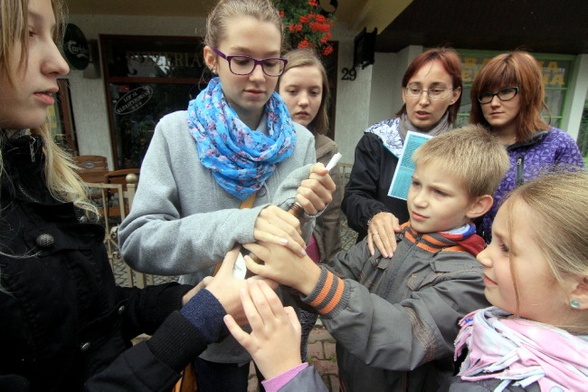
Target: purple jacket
(547, 151)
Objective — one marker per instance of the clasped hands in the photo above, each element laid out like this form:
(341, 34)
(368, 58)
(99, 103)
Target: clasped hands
(274, 340)
(277, 226)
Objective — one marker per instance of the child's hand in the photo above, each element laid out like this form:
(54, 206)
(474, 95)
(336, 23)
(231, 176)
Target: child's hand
(274, 341)
(203, 283)
(315, 192)
(226, 288)
(283, 266)
(279, 227)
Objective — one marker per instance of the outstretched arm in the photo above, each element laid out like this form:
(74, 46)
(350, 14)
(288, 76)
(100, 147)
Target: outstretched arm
(366, 212)
(280, 227)
(274, 342)
(154, 364)
(283, 266)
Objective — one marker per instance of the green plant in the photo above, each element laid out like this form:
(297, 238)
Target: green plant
(306, 25)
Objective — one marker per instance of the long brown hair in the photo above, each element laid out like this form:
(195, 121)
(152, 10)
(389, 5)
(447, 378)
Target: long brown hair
(513, 69)
(302, 58)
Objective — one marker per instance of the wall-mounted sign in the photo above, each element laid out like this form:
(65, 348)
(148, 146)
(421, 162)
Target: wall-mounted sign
(75, 47)
(555, 72)
(133, 100)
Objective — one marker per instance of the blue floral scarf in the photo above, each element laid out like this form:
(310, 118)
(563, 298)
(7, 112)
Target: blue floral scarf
(241, 159)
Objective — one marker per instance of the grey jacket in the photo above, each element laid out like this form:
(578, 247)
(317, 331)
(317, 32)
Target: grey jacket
(308, 380)
(327, 231)
(183, 223)
(395, 320)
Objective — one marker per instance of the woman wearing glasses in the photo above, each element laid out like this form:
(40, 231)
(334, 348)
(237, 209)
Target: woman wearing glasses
(507, 98)
(234, 142)
(431, 91)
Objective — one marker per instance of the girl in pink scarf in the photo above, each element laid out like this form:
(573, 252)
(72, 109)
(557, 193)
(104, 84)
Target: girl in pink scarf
(536, 276)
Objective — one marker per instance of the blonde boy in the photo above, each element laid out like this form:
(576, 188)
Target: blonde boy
(395, 319)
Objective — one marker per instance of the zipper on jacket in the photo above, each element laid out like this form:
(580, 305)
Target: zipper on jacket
(413, 245)
(32, 149)
(520, 163)
(27, 195)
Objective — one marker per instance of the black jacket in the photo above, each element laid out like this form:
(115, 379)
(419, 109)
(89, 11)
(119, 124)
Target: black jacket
(366, 192)
(63, 321)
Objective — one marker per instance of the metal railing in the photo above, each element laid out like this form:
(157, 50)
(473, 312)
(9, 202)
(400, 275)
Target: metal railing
(124, 199)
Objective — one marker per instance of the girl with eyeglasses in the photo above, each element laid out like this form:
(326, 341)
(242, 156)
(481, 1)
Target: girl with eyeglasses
(234, 144)
(431, 91)
(507, 97)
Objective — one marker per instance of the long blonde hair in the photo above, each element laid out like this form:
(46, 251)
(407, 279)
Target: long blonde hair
(62, 180)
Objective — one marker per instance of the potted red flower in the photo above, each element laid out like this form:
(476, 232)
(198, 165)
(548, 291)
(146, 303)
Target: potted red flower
(306, 24)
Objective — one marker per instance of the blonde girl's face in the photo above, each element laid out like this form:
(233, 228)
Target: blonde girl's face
(301, 88)
(247, 94)
(25, 104)
(514, 248)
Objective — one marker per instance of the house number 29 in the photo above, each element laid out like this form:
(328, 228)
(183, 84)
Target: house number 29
(349, 74)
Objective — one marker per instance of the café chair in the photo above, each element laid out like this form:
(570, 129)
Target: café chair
(91, 168)
(113, 199)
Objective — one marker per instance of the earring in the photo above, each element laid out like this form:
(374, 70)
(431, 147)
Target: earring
(575, 304)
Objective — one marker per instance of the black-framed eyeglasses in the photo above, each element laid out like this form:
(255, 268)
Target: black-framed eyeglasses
(506, 94)
(414, 91)
(244, 65)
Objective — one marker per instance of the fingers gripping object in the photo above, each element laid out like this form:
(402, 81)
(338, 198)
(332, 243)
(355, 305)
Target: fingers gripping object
(240, 268)
(296, 209)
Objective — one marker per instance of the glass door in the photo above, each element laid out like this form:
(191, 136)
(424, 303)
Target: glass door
(147, 78)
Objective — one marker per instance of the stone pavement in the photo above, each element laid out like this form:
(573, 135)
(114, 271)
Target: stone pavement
(321, 353)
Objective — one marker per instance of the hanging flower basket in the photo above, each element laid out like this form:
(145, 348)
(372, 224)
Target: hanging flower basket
(306, 25)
